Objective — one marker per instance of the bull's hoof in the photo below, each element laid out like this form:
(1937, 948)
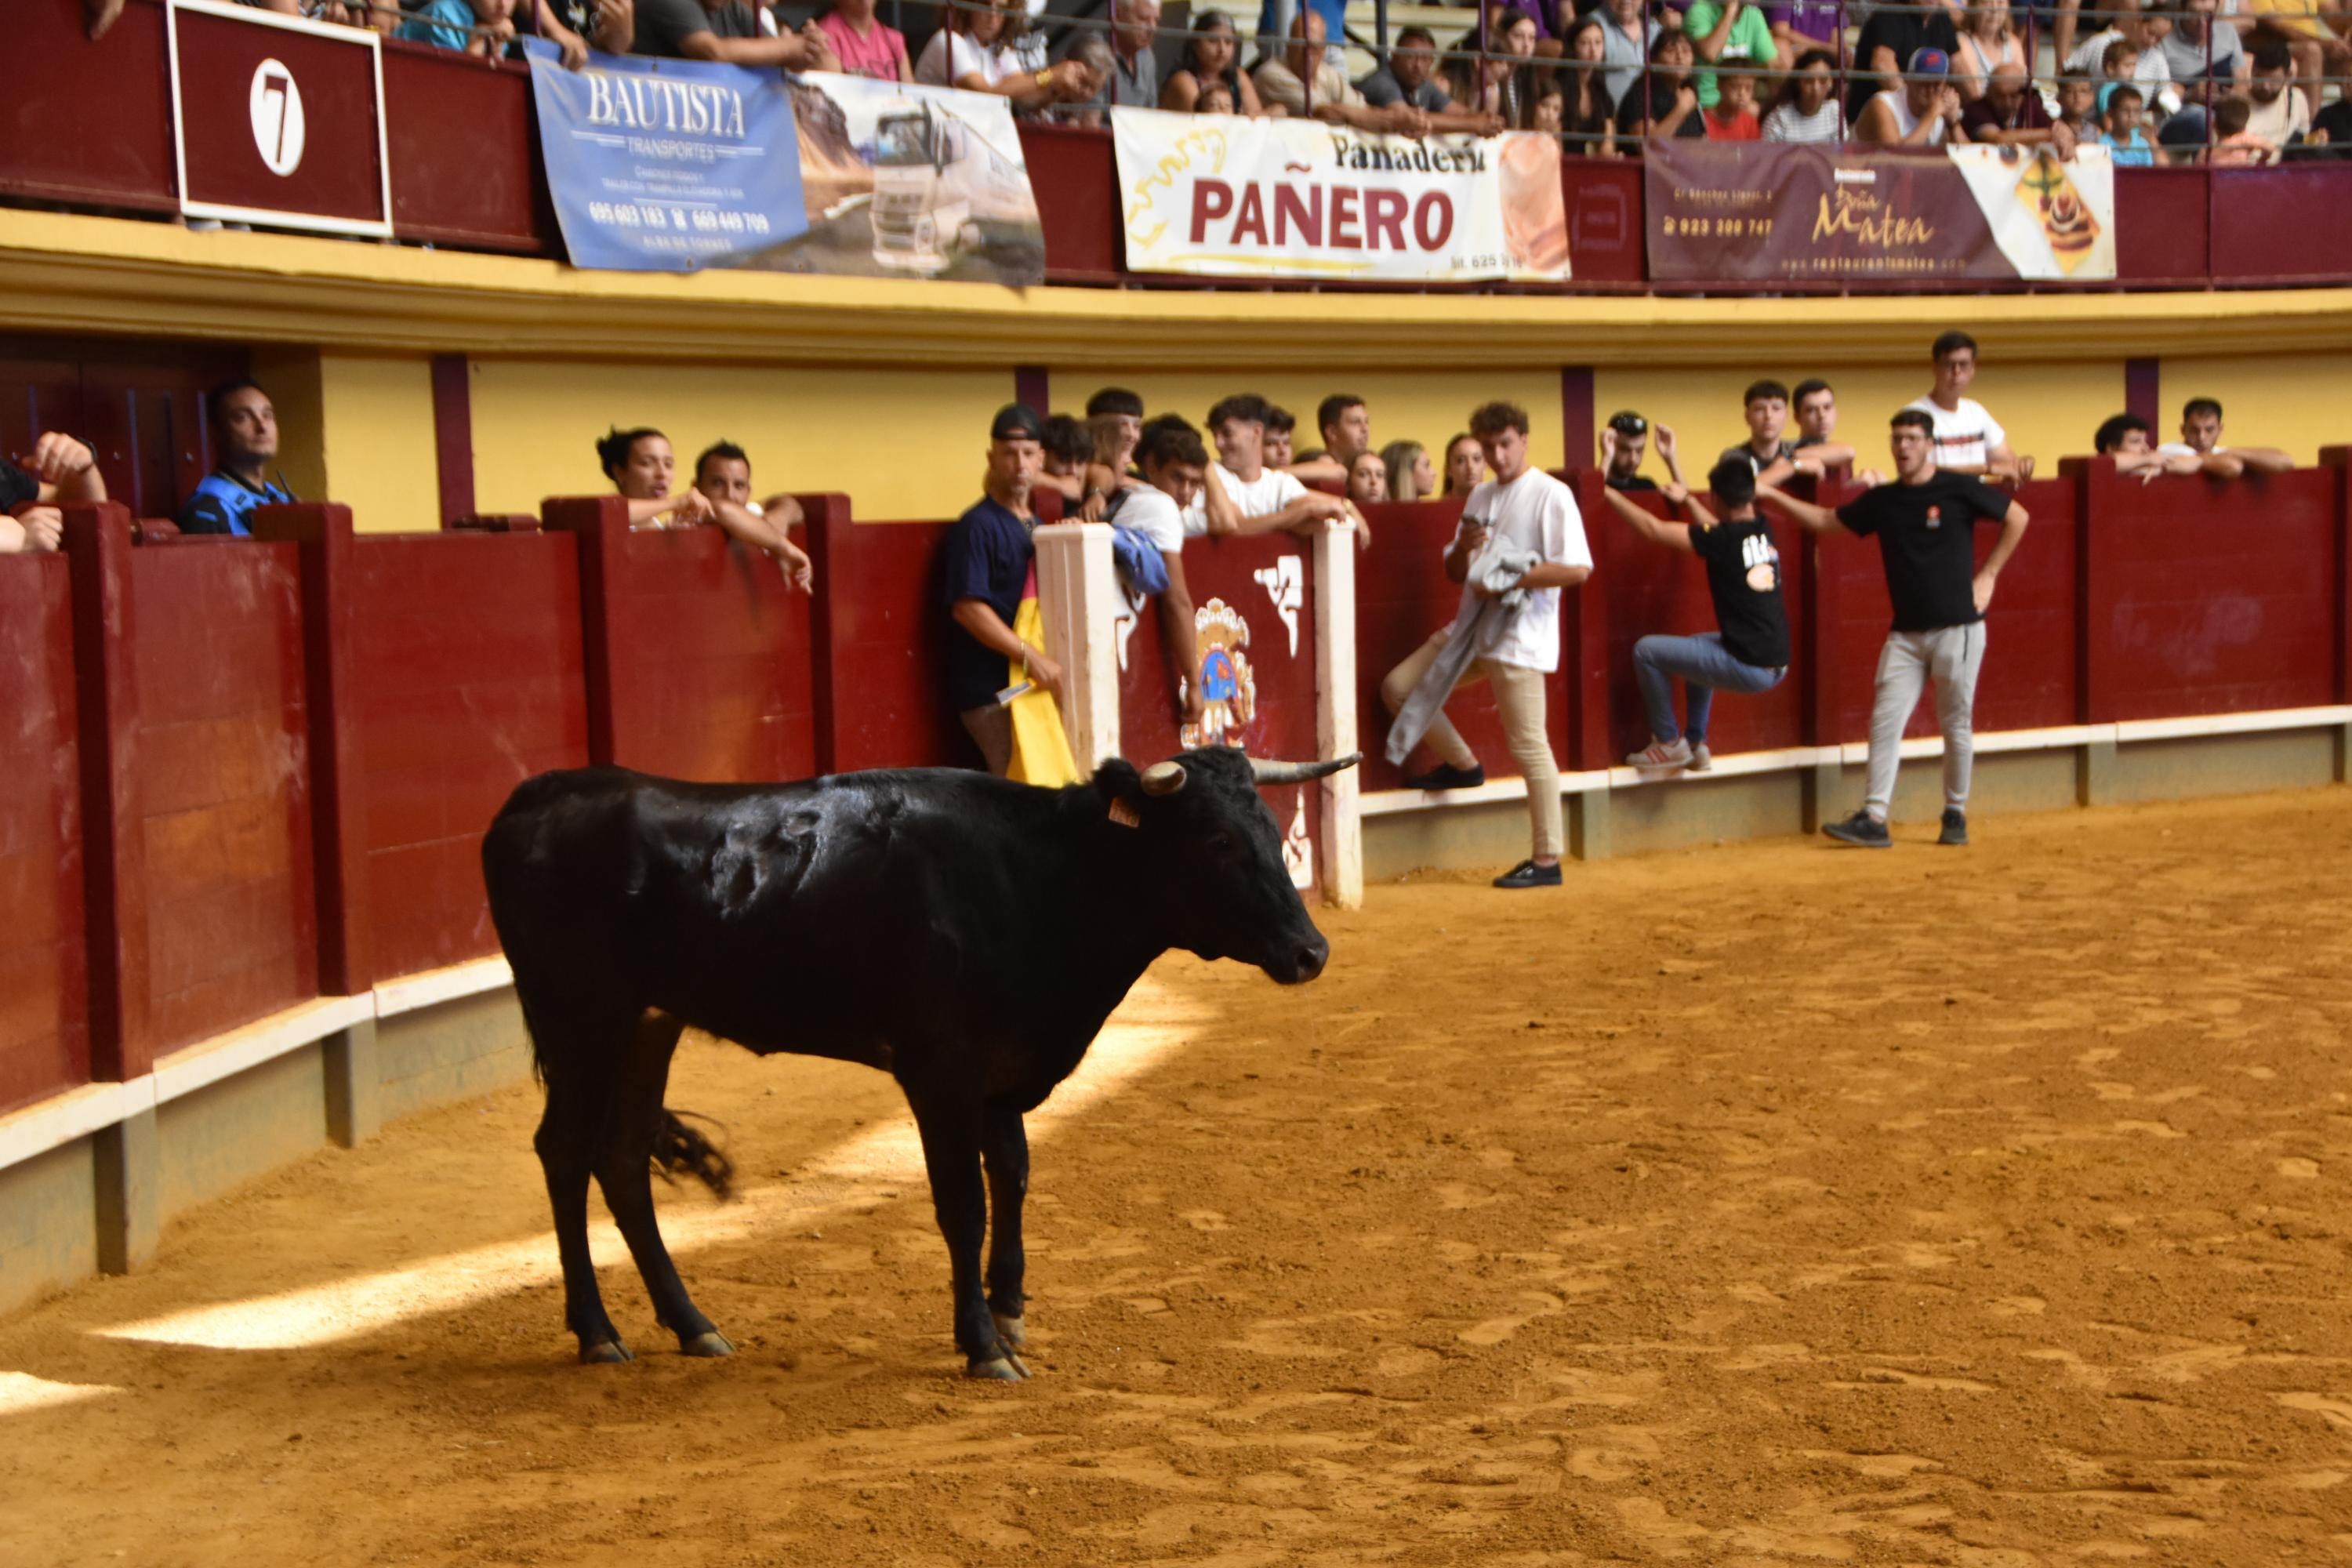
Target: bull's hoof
(712, 1343)
(1010, 1332)
(1004, 1368)
(604, 1352)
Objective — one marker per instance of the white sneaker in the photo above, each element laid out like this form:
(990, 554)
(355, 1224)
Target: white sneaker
(1660, 754)
(1701, 760)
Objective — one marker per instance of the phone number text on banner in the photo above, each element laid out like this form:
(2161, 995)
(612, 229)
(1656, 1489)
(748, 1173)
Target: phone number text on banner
(1224, 196)
(1765, 212)
(665, 165)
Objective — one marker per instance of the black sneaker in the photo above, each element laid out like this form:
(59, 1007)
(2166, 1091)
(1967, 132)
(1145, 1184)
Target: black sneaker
(1527, 874)
(1955, 827)
(1445, 775)
(1862, 830)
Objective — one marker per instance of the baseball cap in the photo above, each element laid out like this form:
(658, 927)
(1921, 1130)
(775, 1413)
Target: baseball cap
(1930, 62)
(1017, 421)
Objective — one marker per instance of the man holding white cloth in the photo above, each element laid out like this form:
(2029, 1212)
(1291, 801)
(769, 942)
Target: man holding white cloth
(1520, 541)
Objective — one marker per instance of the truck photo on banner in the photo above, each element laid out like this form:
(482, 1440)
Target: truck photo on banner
(1221, 197)
(1723, 212)
(905, 181)
(665, 165)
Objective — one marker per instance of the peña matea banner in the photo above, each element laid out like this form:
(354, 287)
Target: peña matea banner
(1222, 197)
(1754, 212)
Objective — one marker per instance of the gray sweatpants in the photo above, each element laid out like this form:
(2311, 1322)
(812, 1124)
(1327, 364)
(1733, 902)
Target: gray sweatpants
(1950, 657)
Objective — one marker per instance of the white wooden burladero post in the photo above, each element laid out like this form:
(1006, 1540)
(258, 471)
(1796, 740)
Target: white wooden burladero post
(1334, 712)
(1079, 598)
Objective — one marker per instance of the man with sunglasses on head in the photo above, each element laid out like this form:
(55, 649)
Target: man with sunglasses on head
(1623, 441)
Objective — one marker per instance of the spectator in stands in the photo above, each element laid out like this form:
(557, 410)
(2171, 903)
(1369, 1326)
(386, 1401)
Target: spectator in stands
(2310, 30)
(1804, 25)
(1551, 106)
(1411, 475)
(1409, 75)
(1283, 83)
(2135, 27)
(2277, 114)
(1069, 447)
(1768, 452)
(1094, 52)
(243, 424)
(723, 475)
(1749, 654)
(1627, 35)
(1817, 415)
(1465, 465)
(2234, 146)
(1924, 522)
(642, 468)
(2078, 108)
(1967, 439)
(1500, 12)
(2010, 114)
(727, 31)
(576, 26)
(1215, 98)
(2128, 439)
(1893, 36)
(1506, 631)
(1665, 104)
(1280, 423)
(61, 469)
(1988, 42)
(1115, 415)
(969, 53)
(2330, 136)
(2115, 70)
(1733, 118)
(983, 563)
(1625, 440)
(1502, 84)
(1588, 114)
(1924, 112)
(1808, 108)
(2200, 438)
(2125, 138)
(1729, 32)
(482, 28)
(1250, 497)
(865, 45)
(1135, 75)
(1173, 463)
(1368, 480)
(2205, 59)
(1347, 426)
(1212, 55)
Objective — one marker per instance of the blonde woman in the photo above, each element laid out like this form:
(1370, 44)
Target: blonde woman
(1411, 476)
(1988, 43)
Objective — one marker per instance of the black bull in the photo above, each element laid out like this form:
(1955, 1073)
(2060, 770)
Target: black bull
(965, 934)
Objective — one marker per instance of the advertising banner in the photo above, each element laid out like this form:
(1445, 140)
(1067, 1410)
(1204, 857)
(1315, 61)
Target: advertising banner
(904, 181)
(1766, 212)
(1220, 196)
(665, 165)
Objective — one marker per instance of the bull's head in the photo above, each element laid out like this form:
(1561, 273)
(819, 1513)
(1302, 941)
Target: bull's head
(1214, 855)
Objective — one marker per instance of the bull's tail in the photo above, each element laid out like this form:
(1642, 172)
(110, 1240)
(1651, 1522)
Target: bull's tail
(679, 1150)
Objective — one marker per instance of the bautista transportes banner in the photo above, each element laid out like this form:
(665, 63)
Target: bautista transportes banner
(665, 165)
(1222, 197)
(1759, 212)
(905, 181)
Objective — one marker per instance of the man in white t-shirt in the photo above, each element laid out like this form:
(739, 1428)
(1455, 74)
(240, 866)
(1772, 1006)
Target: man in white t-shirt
(1967, 439)
(1169, 454)
(1243, 494)
(1524, 510)
(2201, 437)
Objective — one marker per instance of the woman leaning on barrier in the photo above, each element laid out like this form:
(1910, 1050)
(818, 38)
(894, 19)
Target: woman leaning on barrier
(1211, 57)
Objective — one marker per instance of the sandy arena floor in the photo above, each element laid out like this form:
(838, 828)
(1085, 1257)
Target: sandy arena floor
(1760, 1204)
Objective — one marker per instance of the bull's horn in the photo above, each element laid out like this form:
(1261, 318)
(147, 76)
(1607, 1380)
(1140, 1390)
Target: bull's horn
(1163, 778)
(1299, 772)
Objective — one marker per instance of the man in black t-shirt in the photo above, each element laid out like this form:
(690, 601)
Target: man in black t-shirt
(727, 31)
(1751, 654)
(982, 565)
(1926, 525)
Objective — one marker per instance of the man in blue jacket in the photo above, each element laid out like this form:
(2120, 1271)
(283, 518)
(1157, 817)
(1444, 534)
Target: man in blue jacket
(245, 446)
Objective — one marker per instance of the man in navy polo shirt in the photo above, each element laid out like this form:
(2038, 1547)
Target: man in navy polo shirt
(245, 440)
(984, 564)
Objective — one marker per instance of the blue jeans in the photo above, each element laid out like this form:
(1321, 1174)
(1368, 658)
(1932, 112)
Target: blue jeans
(1706, 667)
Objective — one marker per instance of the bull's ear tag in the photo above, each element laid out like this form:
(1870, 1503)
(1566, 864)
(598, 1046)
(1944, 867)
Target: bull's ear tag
(1124, 814)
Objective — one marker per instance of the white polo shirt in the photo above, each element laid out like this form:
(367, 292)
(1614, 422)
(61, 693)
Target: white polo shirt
(1273, 489)
(1966, 437)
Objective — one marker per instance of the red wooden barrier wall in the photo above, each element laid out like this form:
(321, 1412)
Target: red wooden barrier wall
(44, 979)
(1240, 589)
(468, 679)
(222, 759)
(879, 633)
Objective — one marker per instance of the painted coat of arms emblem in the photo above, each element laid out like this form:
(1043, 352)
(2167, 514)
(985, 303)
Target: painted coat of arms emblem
(1228, 689)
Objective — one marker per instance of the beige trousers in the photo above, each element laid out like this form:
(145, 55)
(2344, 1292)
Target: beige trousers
(1519, 699)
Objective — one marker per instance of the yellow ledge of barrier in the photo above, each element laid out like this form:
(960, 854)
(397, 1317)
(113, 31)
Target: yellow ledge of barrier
(62, 272)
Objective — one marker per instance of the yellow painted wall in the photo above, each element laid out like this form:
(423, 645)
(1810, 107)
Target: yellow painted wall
(1427, 406)
(2297, 403)
(376, 441)
(902, 444)
(2049, 409)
